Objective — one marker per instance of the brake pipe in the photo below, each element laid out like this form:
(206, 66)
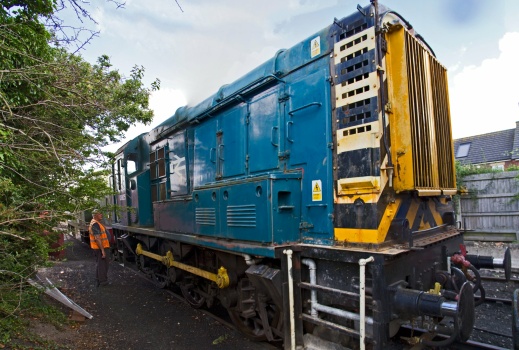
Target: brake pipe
(288, 253)
(362, 273)
(315, 307)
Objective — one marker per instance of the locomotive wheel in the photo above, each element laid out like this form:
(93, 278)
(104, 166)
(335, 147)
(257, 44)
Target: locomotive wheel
(252, 327)
(191, 295)
(160, 273)
(160, 277)
(142, 261)
(115, 256)
(142, 264)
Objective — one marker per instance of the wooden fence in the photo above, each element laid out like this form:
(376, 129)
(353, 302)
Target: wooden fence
(490, 210)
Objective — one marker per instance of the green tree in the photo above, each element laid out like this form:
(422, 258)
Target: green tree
(57, 111)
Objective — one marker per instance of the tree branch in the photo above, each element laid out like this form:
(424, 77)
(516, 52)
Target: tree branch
(13, 235)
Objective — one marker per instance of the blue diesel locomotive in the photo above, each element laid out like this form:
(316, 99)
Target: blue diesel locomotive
(312, 198)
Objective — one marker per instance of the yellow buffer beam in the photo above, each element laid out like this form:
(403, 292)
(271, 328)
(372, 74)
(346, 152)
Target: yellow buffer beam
(221, 278)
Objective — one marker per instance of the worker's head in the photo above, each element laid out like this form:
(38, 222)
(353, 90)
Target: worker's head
(97, 214)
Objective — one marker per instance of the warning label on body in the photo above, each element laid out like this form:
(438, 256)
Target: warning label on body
(315, 47)
(317, 191)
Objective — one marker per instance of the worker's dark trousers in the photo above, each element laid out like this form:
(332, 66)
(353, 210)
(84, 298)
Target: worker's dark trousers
(102, 266)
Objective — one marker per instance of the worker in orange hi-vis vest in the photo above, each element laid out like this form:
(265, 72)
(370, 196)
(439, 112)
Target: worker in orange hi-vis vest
(101, 246)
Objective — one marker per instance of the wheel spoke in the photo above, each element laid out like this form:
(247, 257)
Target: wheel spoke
(192, 296)
(252, 327)
(160, 280)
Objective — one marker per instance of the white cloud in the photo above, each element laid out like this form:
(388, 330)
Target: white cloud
(484, 98)
(206, 46)
(164, 103)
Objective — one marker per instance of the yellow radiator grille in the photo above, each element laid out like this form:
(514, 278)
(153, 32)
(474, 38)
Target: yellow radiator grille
(444, 149)
(420, 120)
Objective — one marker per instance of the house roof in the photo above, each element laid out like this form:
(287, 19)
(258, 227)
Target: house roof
(487, 148)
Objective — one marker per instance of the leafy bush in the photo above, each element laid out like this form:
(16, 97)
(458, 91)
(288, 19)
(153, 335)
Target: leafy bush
(57, 111)
(470, 169)
(512, 168)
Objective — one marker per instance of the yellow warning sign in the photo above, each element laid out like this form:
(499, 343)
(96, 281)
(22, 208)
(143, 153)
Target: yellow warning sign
(317, 191)
(315, 47)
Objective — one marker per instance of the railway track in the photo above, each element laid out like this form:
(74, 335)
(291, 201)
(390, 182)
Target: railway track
(499, 279)
(494, 316)
(470, 344)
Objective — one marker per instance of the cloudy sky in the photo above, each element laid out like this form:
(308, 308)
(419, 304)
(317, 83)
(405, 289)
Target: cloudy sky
(197, 47)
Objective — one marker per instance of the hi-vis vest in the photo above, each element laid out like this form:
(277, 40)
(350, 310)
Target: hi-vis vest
(104, 237)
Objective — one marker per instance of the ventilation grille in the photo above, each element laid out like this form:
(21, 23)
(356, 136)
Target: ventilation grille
(430, 119)
(241, 215)
(205, 216)
(358, 130)
(358, 29)
(356, 78)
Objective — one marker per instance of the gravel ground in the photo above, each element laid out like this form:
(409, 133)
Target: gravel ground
(495, 318)
(131, 313)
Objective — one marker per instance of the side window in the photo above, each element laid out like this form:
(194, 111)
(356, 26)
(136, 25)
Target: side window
(118, 175)
(158, 174)
(131, 164)
(177, 165)
(122, 177)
